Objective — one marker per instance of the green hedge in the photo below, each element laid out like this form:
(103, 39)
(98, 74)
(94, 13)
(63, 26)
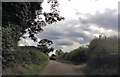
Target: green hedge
(103, 56)
(76, 56)
(28, 61)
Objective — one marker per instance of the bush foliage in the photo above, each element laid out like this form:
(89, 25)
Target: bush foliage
(25, 57)
(76, 56)
(103, 56)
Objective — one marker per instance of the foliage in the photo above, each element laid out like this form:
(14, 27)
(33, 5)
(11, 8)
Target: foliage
(44, 45)
(19, 18)
(103, 56)
(45, 42)
(25, 14)
(58, 52)
(30, 55)
(9, 45)
(27, 59)
(76, 56)
(53, 57)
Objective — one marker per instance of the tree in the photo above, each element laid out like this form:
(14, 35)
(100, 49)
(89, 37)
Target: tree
(58, 52)
(44, 46)
(51, 49)
(53, 57)
(19, 18)
(45, 42)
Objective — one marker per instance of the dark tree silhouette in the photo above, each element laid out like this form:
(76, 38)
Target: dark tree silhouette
(18, 18)
(58, 52)
(44, 46)
(45, 42)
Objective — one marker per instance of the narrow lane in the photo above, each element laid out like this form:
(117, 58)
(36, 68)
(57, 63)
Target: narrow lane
(57, 68)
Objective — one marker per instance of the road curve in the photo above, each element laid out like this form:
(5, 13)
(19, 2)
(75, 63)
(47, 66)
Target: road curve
(57, 68)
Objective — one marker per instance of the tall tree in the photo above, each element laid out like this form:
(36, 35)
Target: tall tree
(19, 18)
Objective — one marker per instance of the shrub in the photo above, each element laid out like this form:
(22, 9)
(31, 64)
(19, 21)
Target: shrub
(103, 55)
(30, 55)
(76, 56)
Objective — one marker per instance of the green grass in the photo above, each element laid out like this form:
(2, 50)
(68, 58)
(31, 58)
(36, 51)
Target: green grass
(64, 61)
(32, 69)
(69, 62)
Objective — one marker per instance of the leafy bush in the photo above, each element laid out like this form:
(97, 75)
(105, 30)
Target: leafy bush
(62, 56)
(53, 57)
(30, 55)
(103, 56)
(25, 59)
(76, 56)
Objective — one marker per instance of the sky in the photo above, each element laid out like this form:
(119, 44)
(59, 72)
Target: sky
(84, 19)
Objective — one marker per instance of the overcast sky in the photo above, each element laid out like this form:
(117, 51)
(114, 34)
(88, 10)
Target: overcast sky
(84, 19)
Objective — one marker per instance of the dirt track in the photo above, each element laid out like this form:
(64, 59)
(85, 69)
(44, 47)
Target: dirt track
(57, 68)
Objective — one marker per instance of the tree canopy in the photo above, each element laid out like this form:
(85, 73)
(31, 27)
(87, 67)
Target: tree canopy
(58, 52)
(19, 18)
(22, 16)
(44, 46)
(45, 42)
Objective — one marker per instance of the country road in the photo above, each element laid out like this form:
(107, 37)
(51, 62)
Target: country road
(57, 68)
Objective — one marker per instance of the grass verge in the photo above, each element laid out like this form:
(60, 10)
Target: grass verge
(32, 69)
(69, 62)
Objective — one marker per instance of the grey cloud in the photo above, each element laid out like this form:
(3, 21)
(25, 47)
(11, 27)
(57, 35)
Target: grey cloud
(75, 35)
(54, 31)
(51, 35)
(64, 43)
(57, 46)
(67, 30)
(118, 22)
(96, 0)
(107, 20)
(72, 22)
(57, 32)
